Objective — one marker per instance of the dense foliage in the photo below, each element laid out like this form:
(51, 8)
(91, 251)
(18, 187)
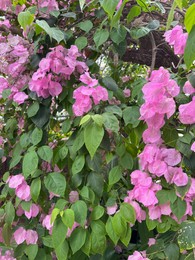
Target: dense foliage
(97, 141)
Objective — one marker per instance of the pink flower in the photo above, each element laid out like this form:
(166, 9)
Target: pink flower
(23, 191)
(47, 222)
(34, 211)
(119, 4)
(111, 209)
(127, 92)
(187, 112)
(20, 97)
(73, 196)
(20, 235)
(70, 230)
(193, 147)
(99, 94)
(85, 78)
(15, 181)
(4, 4)
(151, 241)
(137, 256)
(188, 88)
(171, 156)
(31, 237)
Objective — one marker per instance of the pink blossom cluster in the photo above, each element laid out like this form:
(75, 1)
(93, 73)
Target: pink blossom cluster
(7, 256)
(32, 213)
(85, 94)
(156, 160)
(22, 189)
(50, 5)
(161, 161)
(144, 192)
(14, 57)
(177, 38)
(21, 235)
(159, 102)
(54, 69)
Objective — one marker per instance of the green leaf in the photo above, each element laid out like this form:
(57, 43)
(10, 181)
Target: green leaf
(63, 152)
(36, 136)
(68, 217)
(54, 214)
(14, 161)
(114, 175)
(128, 213)
(25, 19)
(31, 251)
(111, 122)
(96, 182)
(86, 26)
(110, 231)
(139, 32)
(45, 153)
(131, 115)
(77, 239)
(85, 119)
(190, 18)
(109, 6)
(110, 83)
(118, 35)
(172, 252)
(189, 53)
(153, 25)
(53, 32)
(119, 225)
(7, 233)
(134, 12)
(78, 164)
(9, 213)
(98, 119)
(81, 3)
(93, 135)
(97, 212)
(42, 116)
(165, 196)
(171, 15)
(87, 246)
(80, 211)
(47, 241)
(66, 126)
(100, 37)
(55, 182)
(179, 208)
(26, 205)
(62, 251)
(35, 189)
(114, 109)
(30, 163)
(170, 136)
(81, 42)
(33, 109)
(126, 239)
(58, 232)
(186, 236)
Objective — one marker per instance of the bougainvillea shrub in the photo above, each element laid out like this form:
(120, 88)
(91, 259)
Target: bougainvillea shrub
(97, 135)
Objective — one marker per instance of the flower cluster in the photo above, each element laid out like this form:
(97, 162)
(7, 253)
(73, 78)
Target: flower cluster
(156, 159)
(57, 66)
(14, 57)
(83, 95)
(21, 235)
(159, 102)
(22, 189)
(177, 38)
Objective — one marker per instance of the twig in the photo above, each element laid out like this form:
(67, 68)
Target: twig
(154, 51)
